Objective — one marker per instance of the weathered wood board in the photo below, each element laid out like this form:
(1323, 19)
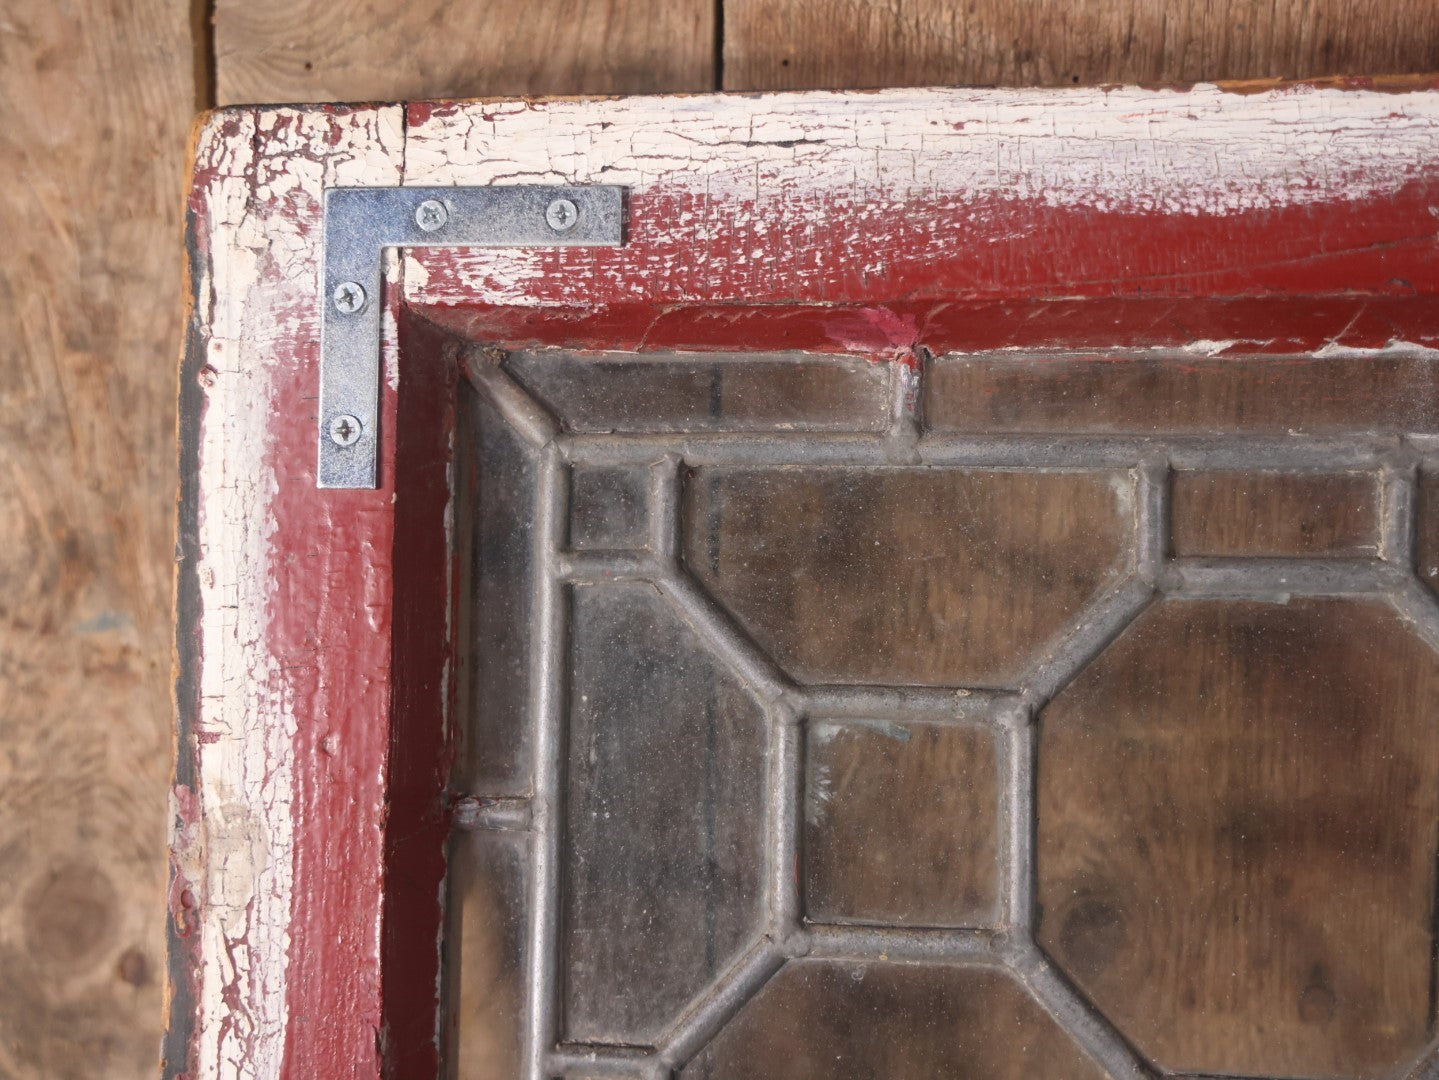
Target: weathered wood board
(312, 50)
(828, 44)
(98, 98)
(277, 51)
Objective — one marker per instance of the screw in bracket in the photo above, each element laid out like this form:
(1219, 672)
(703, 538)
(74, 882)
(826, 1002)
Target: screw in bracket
(349, 297)
(431, 215)
(562, 215)
(345, 429)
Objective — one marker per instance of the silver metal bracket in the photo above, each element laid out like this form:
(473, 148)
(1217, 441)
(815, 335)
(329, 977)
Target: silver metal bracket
(359, 224)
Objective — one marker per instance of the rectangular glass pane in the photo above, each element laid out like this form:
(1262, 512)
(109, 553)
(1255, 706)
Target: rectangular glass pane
(1231, 513)
(599, 392)
(497, 477)
(487, 944)
(1185, 394)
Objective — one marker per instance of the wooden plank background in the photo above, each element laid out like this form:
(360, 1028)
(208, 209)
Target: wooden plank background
(98, 97)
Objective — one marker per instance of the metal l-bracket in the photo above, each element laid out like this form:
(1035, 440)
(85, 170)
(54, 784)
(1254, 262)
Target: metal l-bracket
(359, 224)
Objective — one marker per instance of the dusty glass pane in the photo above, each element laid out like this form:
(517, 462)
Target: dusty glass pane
(665, 813)
(487, 950)
(899, 575)
(594, 392)
(1231, 513)
(819, 1020)
(608, 507)
(1238, 817)
(900, 824)
(1184, 394)
(1236, 784)
(498, 475)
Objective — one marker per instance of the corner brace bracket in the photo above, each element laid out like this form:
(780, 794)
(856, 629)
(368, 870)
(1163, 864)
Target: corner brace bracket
(359, 224)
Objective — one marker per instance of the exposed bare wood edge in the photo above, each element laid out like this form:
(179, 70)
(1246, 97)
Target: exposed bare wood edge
(547, 723)
(1100, 1040)
(782, 827)
(1151, 501)
(1418, 606)
(1288, 454)
(1395, 83)
(664, 497)
(1016, 823)
(906, 945)
(712, 1009)
(502, 814)
(905, 703)
(727, 641)
(1398, 506)
(593, 567)
(1278, 578)
(595, 1061)
(523, 413)
(1099, 624)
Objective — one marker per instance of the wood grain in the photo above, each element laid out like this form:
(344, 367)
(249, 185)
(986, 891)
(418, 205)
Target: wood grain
(366, 50)
(808, 44)
(98, 100)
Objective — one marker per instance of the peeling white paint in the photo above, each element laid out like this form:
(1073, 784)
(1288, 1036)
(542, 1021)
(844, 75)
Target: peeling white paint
(1393, 348)
(259, 303)
(1202, 151)
(1196, 151)
(1207, 347)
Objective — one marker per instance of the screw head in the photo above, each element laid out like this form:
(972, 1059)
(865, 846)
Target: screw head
(562, 215)
(349, 297)
(345, 429)
(431, 215)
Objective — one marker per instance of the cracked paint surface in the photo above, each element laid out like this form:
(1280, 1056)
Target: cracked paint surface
(259, 178)
(886, 223)
(754, 195)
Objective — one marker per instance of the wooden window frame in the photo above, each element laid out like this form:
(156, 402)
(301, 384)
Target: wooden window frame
(312, 648)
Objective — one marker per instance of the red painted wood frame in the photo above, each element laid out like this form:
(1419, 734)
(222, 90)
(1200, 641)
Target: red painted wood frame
(313, 658)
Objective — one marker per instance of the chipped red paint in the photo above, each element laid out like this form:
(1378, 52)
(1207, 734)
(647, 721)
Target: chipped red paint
(946, 248)
(357, 590)
(332, 611)
(1259, 325)
(960, 277)
(326, 644)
